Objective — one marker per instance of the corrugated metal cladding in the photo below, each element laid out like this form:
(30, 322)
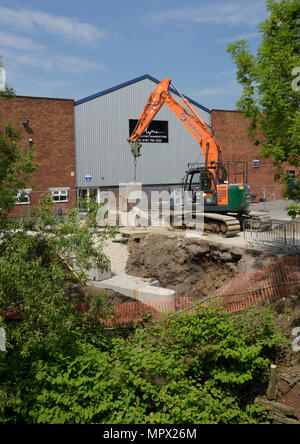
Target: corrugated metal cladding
(102, 150)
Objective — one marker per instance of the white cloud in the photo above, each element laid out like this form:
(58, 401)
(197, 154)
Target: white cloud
(228, 90)
(228, 12)
(72, 29)
(49, 85)
(73, 65)
(247, 36)
(76, 65)
(230, 72)
(22, 43)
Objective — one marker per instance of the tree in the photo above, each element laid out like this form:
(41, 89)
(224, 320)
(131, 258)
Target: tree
(16, 167)
(270, 96)
(16, 164)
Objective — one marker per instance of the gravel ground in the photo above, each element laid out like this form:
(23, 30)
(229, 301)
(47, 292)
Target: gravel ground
(118, 253)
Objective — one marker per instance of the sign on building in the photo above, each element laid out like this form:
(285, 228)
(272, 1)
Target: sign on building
(157, 131)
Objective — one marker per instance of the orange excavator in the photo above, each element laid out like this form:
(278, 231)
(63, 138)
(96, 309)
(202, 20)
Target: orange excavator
(225, 204)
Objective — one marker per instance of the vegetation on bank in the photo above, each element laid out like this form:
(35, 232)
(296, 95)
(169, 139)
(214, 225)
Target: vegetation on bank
(61, 366)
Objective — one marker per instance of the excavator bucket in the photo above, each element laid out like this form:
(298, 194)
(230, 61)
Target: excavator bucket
(135, 148)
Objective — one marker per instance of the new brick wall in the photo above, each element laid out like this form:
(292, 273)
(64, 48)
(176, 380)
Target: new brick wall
(230, 129)
(51, 128)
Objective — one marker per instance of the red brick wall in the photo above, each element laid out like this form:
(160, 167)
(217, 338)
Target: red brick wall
(51, 128)
(230, 128)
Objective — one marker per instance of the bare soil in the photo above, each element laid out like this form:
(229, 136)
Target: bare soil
(190, 266)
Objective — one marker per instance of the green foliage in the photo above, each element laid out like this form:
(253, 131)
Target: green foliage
(201, 368)
(268, 98)
(293, 210)
(35, 307)
(61, 366)
(16, 167)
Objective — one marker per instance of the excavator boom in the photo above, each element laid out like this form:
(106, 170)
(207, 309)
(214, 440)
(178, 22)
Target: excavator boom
(187, 116)
(224, 204)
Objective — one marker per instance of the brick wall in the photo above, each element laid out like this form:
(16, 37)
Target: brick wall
(230, 128)
(51, 128)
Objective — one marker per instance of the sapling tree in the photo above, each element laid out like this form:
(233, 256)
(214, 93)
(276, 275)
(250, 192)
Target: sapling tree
(270, 90)
(38, 253)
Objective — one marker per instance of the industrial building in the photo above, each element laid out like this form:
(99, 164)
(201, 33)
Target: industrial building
(105, 120)
(48, 125)
(82, 148)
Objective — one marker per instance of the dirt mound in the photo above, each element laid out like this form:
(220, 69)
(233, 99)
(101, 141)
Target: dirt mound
(191, 267)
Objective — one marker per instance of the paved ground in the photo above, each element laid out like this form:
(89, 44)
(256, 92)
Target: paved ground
(275, 208)
(118, 253)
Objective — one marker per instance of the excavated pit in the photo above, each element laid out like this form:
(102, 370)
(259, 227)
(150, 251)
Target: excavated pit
(192, 267)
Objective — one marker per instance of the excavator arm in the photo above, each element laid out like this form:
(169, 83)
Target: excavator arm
(187, 116)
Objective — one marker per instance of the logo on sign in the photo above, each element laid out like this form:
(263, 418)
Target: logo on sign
(88, 178)
(184, 118)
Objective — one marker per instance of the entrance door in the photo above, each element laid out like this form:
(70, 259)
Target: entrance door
(84, 196)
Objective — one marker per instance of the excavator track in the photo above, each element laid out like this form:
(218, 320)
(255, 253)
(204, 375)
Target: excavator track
(222, 224)
(229, 225)
(260, 220)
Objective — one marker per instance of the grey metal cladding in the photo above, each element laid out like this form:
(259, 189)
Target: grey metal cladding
(102, 150)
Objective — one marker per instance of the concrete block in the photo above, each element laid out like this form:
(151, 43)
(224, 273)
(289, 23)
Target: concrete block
(97, 275)
(125, 284)
(129, 194)
(147, 291)
(94, 274)
(133, 191)
(161, 299)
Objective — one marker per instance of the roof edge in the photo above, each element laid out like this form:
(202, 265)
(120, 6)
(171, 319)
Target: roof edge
(131, 82)
(227, 110)
(43, 98)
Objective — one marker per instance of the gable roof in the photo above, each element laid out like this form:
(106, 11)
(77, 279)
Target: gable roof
(131, 82)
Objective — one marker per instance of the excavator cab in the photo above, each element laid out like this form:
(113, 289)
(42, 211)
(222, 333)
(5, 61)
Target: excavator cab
(201, 180)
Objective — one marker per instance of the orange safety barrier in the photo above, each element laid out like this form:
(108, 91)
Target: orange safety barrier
(271, 282)
(274, 281)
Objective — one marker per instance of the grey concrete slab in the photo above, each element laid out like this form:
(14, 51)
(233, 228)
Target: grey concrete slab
(144, 290)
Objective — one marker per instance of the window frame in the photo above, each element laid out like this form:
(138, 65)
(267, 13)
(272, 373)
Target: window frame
(60, 192)
(25, 191)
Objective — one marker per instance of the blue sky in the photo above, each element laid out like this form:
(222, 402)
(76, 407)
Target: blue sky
(72, 49)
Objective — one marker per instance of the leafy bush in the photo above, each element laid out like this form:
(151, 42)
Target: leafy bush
(61, 366)
(203, 368)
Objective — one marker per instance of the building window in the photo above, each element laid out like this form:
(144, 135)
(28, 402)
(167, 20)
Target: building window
(23, 197)
(291, 173)
(60, 195)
